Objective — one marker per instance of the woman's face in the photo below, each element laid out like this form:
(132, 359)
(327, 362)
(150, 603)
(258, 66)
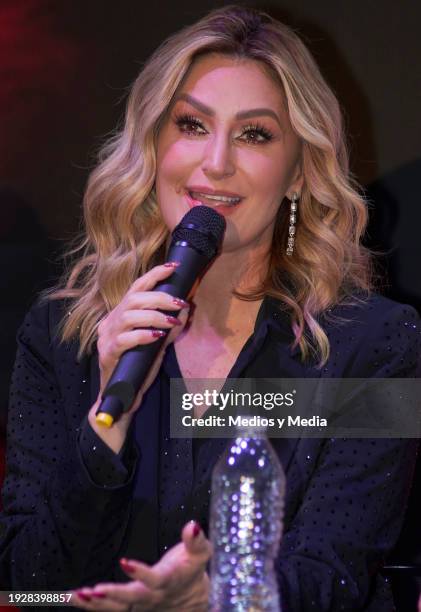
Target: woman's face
(227, 143)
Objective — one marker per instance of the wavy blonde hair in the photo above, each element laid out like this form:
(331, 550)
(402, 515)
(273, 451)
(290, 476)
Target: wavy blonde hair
(125, 234)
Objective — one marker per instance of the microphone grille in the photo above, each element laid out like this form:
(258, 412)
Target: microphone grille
(202, 228)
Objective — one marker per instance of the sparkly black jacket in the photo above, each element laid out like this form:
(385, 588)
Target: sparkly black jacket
(71, 507)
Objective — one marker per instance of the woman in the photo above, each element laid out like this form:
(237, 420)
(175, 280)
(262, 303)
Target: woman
(233, 113)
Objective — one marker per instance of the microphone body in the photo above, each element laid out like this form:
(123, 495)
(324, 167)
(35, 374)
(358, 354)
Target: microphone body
(194, 255)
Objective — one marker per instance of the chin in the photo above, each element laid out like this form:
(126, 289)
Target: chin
(231, 243)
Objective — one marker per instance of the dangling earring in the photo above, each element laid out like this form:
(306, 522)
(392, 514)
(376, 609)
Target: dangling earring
(292, 222)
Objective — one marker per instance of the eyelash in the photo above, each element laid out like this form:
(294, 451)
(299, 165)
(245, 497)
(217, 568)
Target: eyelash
(184, 119)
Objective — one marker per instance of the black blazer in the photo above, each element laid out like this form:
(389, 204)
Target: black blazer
(345, 500)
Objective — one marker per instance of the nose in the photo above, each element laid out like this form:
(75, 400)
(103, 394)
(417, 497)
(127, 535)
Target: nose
(218, 159)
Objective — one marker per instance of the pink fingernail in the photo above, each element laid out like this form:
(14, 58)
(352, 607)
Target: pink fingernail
(83, 596)
(98, 594)
(157, 333)
(196, 530)
(173, 320)
(181, 303)
(172, 264)
(127, 566)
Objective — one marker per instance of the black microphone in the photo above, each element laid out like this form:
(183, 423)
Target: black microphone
(195, 243)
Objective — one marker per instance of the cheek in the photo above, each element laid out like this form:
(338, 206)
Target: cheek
(267, 179)
(174, 164)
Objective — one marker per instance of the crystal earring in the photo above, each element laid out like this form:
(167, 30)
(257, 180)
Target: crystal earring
(292, 222)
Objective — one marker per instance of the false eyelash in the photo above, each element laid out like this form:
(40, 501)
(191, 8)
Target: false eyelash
(185, 118)
(259, 129)
(252, 127)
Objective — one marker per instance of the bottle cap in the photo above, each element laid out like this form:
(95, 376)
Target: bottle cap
(251, 426)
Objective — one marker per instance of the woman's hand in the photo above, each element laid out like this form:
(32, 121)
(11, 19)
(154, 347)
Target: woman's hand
(177, 582)
(125, 327)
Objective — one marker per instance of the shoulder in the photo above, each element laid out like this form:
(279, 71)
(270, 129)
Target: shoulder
(374, 315)
(369, 309)
(45, 315)
(376, 335)
(369, 306)
(40, 331)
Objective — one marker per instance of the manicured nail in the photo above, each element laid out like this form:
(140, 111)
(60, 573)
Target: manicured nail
(181, 303)
(173, 320)
(196, 530)
(157, 333)
(172, 264)
(127, 566)
(99, 594)
(83, 596)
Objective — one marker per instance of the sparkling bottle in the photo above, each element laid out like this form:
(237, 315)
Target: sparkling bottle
(248, 492)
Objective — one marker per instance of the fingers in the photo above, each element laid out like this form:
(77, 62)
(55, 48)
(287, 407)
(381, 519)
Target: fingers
(132, 319)
(140, 571)
(117, 597)
(140, 300)
(129, 323)
(137, 321)
(127, 340)
(196, 542)
(159, 358)
(86, 600)
(147, 281)
(177, 578)
(129, 331)
(176, 330)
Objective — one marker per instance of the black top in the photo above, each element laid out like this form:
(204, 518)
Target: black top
(72, 507)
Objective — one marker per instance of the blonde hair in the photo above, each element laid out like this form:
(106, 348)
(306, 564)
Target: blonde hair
(125, 234)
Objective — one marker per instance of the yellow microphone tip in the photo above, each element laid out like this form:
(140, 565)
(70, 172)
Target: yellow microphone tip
(102, 418)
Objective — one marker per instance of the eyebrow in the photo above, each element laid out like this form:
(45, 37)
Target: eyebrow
(246, 114)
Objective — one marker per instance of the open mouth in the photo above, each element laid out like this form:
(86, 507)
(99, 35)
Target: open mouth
(214, 200)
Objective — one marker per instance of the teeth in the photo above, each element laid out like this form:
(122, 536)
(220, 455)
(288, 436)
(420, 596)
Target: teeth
(220, 198)
(217, 198)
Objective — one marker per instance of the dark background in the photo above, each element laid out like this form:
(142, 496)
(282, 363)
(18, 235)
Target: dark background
(65, 68)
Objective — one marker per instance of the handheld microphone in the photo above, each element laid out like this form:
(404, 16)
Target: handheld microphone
(195, 243)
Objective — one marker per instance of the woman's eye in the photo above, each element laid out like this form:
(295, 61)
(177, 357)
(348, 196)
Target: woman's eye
(256, 135)
(190, 125)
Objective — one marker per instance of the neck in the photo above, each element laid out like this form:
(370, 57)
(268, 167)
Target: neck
(216, 308)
